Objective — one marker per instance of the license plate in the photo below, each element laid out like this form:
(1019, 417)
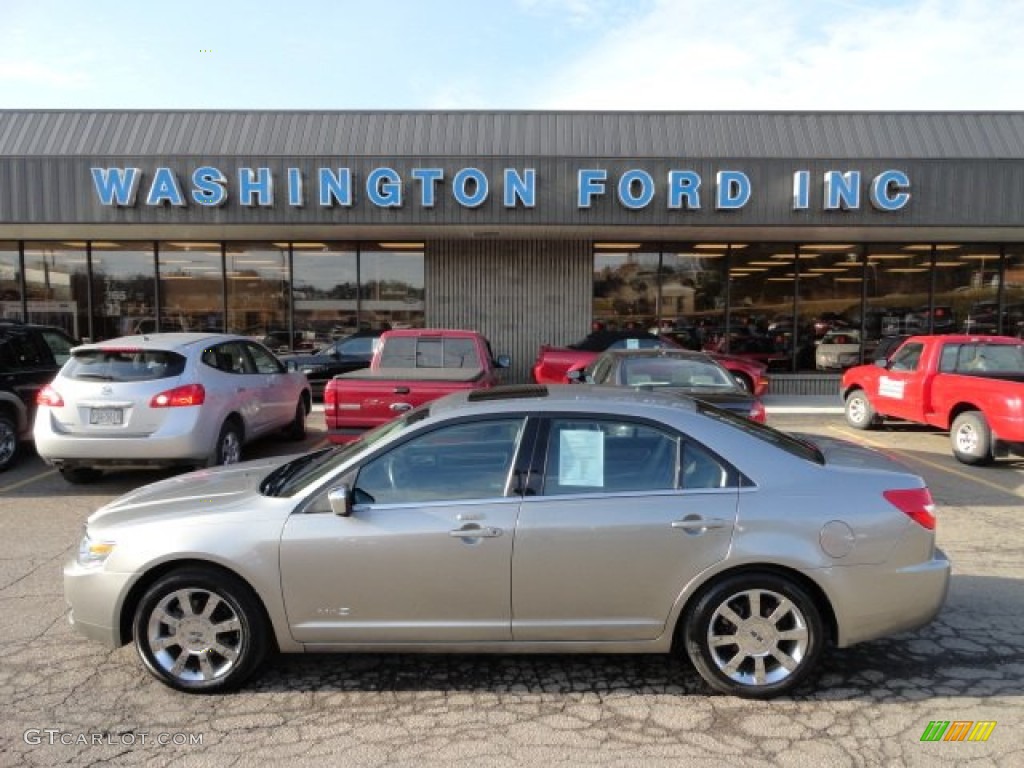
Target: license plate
(106, 417)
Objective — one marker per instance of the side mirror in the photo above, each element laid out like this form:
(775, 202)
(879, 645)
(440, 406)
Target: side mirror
(291, 365)
(576, 376)
(340, 499)
(882, 362)
(503, 361)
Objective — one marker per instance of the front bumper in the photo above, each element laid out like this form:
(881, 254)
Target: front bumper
(95, 597)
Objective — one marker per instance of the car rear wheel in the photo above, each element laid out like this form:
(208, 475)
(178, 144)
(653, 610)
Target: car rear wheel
(755, 635)
(859, 412)
(971, 438)
(200, 630)
(8, 441)
(297, 428)
(229, 445)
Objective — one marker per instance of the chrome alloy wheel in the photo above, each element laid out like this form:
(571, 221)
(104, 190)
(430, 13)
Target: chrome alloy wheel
(757, 637)
(230, 447)
(194, 635)
(967, 438)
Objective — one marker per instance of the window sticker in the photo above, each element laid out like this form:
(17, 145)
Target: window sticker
(581, 457)
(891, 388)
(632, 343)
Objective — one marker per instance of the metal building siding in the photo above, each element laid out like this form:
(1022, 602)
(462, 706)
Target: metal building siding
(424, 133)
(514, 293)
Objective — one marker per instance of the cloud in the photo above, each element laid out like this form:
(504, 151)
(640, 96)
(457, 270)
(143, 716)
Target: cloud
(789, 54)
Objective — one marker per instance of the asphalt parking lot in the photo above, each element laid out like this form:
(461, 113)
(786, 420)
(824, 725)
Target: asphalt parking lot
(68, 701)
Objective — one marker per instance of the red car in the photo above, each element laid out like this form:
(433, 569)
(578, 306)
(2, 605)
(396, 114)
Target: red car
(553, 363)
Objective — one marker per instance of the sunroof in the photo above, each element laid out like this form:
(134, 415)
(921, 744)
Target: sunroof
(510, 392)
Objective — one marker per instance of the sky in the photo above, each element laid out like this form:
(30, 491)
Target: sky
(694, 55)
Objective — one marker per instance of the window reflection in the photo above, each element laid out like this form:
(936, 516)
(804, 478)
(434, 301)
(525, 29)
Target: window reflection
(123, 289)
(191, 287)
(325, 292)
(10, 282)
(56, 285)
(391, 286)
(257, 292)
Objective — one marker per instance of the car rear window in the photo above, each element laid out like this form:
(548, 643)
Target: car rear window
(799, 448)
(423, 352)
(118, 364)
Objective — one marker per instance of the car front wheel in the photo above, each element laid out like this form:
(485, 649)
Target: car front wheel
(8, 441)
(754, 635)
(859, 412)
(199, 630)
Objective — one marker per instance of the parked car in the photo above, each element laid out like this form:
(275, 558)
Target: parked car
(30, 356)
(838, 350)
(677, 371)
(190, 399)
(352, 353)
(553, 363)
(568, 519)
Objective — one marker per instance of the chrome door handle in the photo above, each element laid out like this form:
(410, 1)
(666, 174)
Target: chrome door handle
(699, 523)
(475, 532)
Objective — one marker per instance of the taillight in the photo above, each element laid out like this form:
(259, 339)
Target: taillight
(330, 397)
(915, 503)
(190, 394)
(757, 412)
(49, 396)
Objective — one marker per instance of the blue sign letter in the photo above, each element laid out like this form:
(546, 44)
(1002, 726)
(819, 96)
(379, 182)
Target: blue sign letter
(733, 190)
(801, 190)
(296, 192)
(842, 190)
(165, 189)
(258, 184)
(384, 188)
(460, 186)
(208, 186)
(335, 188)
(429, 178)
(684, 184)
(889, 190)
(626, 196)
(590, 182)
(116, 186)
(523, 188)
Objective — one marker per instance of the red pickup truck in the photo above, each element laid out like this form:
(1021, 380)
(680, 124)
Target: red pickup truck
(971, 385)
(409, 367)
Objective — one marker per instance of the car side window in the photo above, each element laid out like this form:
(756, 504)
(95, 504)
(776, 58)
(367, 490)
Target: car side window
(471, 460)
(228, 358)
(59, 344)
(263, 360)
(701, 469)
(360, 347)
(907, 358)
(18, 353)
(599, 456)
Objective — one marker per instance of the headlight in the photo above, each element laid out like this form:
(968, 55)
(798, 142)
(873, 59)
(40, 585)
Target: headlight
(93, 553)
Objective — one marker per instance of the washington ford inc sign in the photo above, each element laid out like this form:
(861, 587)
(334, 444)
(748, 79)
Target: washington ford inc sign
(384, 187)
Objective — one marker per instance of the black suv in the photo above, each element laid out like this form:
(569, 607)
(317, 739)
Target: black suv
(30, 356)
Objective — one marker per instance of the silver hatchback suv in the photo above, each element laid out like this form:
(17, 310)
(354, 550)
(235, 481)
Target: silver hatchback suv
(191, 399)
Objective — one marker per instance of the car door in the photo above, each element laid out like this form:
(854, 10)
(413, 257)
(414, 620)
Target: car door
(425, 556)
(229, 383)
(901, 386)
(626, 515)
(274, 389)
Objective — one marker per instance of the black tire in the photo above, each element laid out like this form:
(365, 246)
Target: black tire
(218, 637)
(80, 475)
(9, 444)
(228, 449)
(860, 414)
(971, 438)
(297, 429)
(753, 667)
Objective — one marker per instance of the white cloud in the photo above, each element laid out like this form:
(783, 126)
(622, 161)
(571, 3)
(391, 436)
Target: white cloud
(790, 54)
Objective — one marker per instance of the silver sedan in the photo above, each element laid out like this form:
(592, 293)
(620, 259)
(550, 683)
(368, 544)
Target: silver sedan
(190, 399)
(522, 519)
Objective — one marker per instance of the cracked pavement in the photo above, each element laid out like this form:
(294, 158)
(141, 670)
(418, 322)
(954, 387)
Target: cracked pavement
(67, 701)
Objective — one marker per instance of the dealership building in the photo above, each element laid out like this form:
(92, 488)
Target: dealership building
(530, 227)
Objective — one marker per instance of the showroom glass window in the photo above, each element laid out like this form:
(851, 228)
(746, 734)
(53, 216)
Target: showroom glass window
(325, 293)
(1013, 292)
(391, 286)
(10, 282)
(191, 287)
(762, 285)
(829, 288)
(693, 286)
(56, 286)
(256, 277)
(123, 289)
(625, 286)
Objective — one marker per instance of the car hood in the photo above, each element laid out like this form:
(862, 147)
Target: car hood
(206, 493)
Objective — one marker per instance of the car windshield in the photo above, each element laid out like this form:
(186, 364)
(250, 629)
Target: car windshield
(679, 373)
(292, 477)
(123, 364)
(800, 448)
